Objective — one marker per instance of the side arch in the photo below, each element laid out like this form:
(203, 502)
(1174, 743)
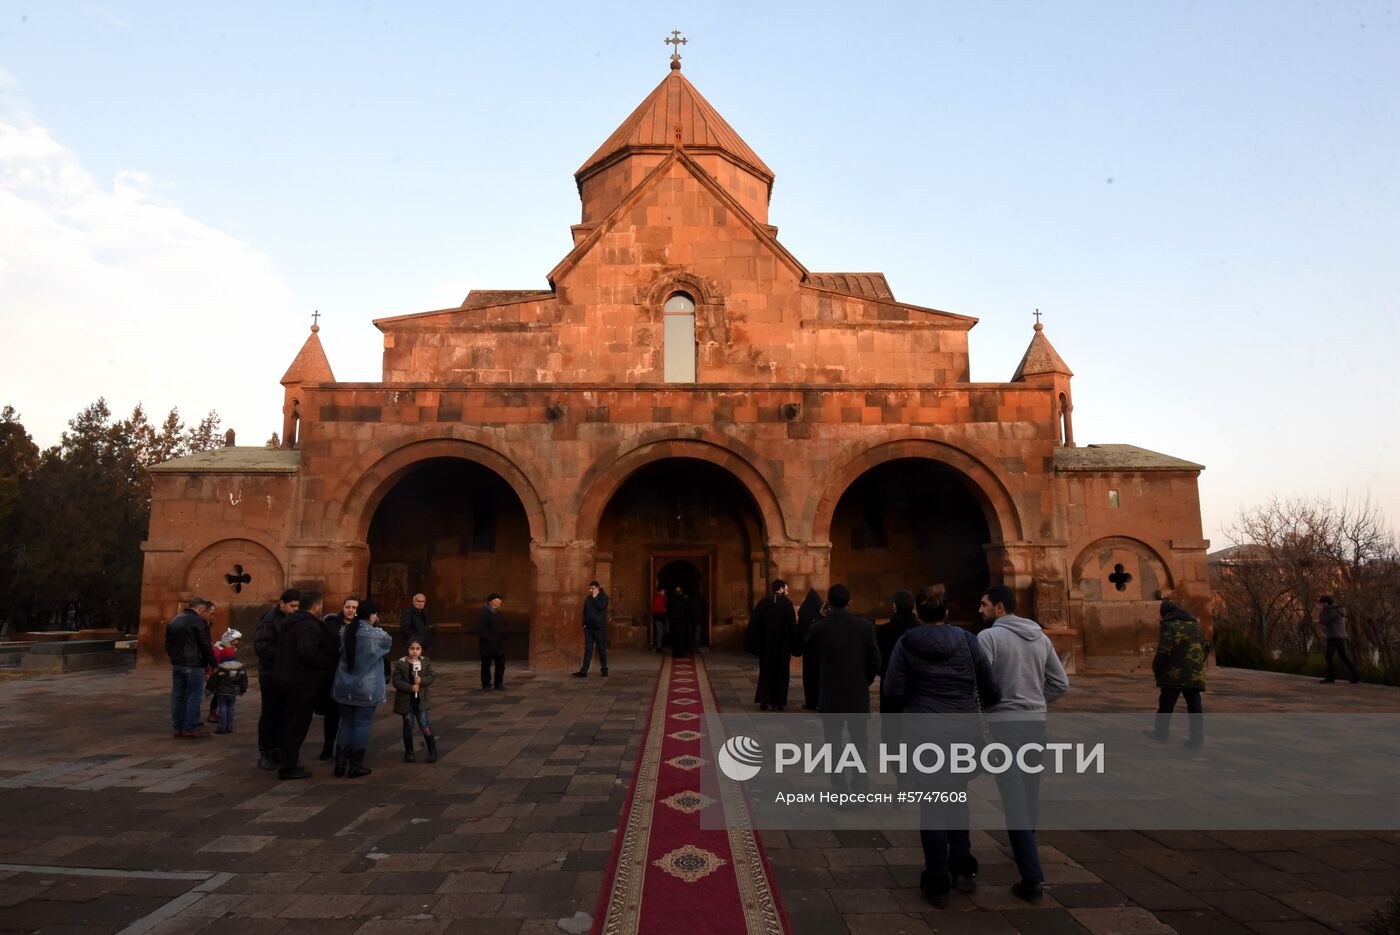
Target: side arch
(378, 478)
(608, 474)
(985, 484)
(1100, 558)
(204, 572)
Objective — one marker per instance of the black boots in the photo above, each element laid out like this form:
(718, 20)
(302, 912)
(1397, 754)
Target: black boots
(342, 760)
(408, 749)
(935, 887)
(267, 760)
(292, 772)
(964, 871)
(432, 748)
(357, 767)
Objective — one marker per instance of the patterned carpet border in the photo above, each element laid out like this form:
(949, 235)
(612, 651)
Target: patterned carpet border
(693, 858)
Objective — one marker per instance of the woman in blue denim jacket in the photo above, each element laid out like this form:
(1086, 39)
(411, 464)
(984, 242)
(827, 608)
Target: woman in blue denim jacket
(359, 688)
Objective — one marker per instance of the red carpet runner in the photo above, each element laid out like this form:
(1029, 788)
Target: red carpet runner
(667, 875)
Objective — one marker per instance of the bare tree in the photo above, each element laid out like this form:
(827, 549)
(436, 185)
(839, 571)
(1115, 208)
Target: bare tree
(1291, 552)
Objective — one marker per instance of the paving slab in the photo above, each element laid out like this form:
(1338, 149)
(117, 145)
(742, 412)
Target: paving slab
(511, 831)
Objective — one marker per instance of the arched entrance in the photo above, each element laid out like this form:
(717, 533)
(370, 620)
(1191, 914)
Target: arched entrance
(456, 531)
(688, 522)
(908, 523)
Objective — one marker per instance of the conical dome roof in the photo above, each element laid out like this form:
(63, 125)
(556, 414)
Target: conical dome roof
(310, 365)
(1040, 358)
(675, 114)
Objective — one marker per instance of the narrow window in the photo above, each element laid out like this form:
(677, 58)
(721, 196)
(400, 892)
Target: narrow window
(1113, 499)
(679, 337)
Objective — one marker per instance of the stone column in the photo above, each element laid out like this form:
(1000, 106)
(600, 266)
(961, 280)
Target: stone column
(336, 568)
(803, 565)
(562, 573)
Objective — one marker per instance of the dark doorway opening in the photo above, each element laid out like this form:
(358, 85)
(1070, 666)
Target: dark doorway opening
(691, 573)
(904, 525)
(456, 531)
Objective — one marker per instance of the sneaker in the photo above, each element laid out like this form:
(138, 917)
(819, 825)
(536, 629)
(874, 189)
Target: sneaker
(579, 675)
(1028, 890)
(1153, 735)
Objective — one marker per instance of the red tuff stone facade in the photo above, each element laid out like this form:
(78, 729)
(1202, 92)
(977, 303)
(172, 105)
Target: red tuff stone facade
(685, 404)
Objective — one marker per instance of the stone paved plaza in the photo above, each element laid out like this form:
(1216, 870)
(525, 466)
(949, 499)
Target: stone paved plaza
(111, 825)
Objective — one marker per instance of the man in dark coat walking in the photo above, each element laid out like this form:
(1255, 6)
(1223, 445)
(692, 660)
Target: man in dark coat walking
(1333, 617)
(491, 640)
(680, 616)
(595, 629)
(414, 625)
(849, 660)
(807, 616)
(305, 657)
(265, 645)
(772, 636)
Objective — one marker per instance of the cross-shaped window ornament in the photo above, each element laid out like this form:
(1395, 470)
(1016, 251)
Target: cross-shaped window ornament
(1120, 578)
(238, 579)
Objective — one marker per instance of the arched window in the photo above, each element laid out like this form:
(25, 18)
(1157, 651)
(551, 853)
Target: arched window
(679, 338)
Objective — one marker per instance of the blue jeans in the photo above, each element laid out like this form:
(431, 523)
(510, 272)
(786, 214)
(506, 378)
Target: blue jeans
(420, 717)
(186, 697)
(593, 638)
(355, 721)
(660, 637)
(1020, 798)
(226, 703)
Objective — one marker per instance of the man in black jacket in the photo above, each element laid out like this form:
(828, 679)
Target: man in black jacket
(595, 629)
(414, 625)
(265, 645)
(849, 661)
(304, 657)
(491, 642)
(187, 644)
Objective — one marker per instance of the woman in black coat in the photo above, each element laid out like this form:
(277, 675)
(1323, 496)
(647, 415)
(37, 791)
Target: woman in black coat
(940, 669)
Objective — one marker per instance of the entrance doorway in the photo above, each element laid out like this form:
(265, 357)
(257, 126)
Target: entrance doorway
(691, 572)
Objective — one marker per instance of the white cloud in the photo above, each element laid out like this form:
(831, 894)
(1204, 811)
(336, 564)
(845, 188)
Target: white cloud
(113, 291)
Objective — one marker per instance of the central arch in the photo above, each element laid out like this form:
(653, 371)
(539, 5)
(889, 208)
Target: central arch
(682, 522)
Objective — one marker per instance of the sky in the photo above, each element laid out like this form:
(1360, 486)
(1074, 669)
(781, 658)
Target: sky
(1201, 198)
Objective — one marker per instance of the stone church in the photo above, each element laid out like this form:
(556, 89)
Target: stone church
(685, 403)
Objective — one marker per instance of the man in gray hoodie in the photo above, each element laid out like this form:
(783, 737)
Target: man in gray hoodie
(1029, 673)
